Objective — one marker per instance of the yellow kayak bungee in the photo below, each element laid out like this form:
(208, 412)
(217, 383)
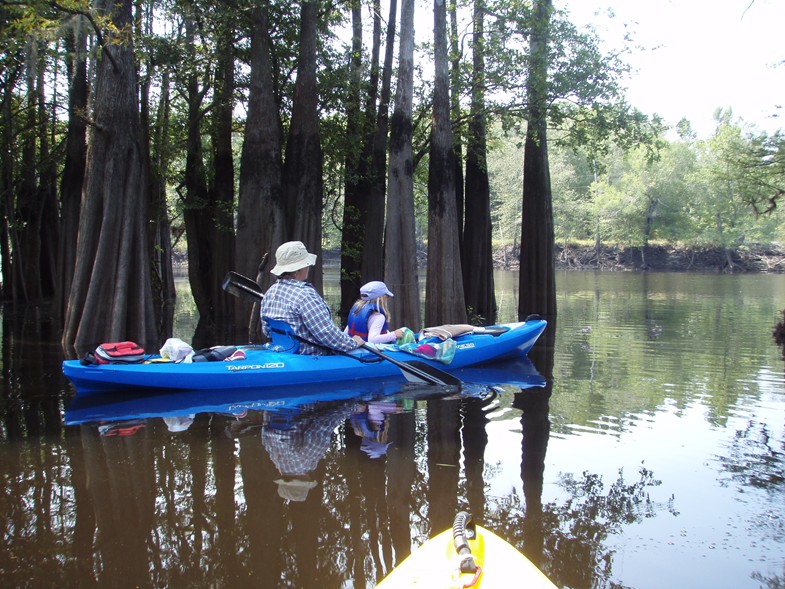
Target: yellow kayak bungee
(468, 556)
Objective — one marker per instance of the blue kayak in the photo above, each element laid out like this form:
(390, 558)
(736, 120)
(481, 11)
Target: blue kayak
(264, 367)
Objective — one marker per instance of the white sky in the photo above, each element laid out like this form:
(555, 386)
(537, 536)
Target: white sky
(698, 55)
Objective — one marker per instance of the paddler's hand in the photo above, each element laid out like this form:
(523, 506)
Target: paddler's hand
(360, 341)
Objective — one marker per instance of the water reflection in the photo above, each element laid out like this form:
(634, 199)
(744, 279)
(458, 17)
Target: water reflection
(651, 433)
(173, 494)
(310, 488)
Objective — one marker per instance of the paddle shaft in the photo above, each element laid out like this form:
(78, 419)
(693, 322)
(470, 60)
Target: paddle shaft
(241, 286)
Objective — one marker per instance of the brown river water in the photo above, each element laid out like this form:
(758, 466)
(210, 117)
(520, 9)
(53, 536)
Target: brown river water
(641, 446)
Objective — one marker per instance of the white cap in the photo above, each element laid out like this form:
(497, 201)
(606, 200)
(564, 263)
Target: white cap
(374, 290)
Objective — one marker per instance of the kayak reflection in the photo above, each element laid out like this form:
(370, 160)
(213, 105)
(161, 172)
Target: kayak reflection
(519, 373)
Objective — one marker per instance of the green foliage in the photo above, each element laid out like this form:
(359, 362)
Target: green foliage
(615, 176)
(710, 193)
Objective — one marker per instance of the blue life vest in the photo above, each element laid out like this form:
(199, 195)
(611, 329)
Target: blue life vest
(358, 319)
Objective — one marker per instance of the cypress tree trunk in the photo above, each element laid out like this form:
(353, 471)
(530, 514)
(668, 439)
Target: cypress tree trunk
(302, 174)
(26, 234)
(74, 166)
(537, 275)
(111, 296)
(222, 190)
(8, 181)
(400, 256)
(49, 216)
(477, 245)
(374, 183)
(456, 114)
(444, 301)
(354, 200)
(261, 221)
(196, 198)
(371, 177)
(161, 227)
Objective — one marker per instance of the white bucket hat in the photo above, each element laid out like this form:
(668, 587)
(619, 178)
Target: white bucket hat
(179, 423)
(374, 290)
(294, 489)
(291, 256)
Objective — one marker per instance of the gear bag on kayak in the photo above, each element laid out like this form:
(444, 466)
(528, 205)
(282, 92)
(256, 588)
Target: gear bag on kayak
(115, 353)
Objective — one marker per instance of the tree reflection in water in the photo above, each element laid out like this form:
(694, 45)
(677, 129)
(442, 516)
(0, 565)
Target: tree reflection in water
(194, 502)
(756, 460)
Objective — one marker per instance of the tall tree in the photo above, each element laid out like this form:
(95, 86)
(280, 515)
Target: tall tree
(444, 300)
(209, 178)
(196, 211)
(155, 126)
(49, 217)
(456, 91)
(363, 232)
(354, 209)
(222, 185)
(537, 273)
(111, 295)
(400, 256)
(373, 182)
(261, 220)
(302, 172)
(37, 189)
(75, 155)
(478, 228)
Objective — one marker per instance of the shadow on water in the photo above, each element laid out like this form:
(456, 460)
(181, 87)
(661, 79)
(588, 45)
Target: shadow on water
(315, 488)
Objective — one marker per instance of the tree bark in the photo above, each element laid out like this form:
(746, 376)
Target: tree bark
(444, 300)
(49, 216)
(210, 193)
(400, 256)
(74, 167)
(111, 296)
(261, 219)
(26, 232)
(537, 274)
(196, 197)
(160, 224)
(371, 186)
(13, 73)
(478, 229)
(302, 173)
(222, 189)
(354, 200)
(456, 108)
(375, 180)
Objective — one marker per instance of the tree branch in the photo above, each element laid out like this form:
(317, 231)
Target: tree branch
(96, 29)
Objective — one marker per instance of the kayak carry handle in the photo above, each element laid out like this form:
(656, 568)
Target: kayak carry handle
(463, 530)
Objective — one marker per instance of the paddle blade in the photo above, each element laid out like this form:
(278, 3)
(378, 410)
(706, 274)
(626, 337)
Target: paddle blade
(240, 286)
(430, 374)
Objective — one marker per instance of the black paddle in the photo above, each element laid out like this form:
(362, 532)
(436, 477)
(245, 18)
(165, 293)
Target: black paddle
(414, 371)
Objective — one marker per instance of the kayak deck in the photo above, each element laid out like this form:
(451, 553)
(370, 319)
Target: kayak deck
(436, 565)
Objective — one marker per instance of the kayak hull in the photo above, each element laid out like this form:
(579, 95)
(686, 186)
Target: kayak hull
(433, 566)
(111, 406)
(264, 367)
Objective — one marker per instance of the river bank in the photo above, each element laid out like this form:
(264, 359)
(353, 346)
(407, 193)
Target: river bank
(768, 259)
(658, 258)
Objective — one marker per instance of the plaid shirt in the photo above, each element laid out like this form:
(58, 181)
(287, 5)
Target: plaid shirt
(298, 304)
(298, 449)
